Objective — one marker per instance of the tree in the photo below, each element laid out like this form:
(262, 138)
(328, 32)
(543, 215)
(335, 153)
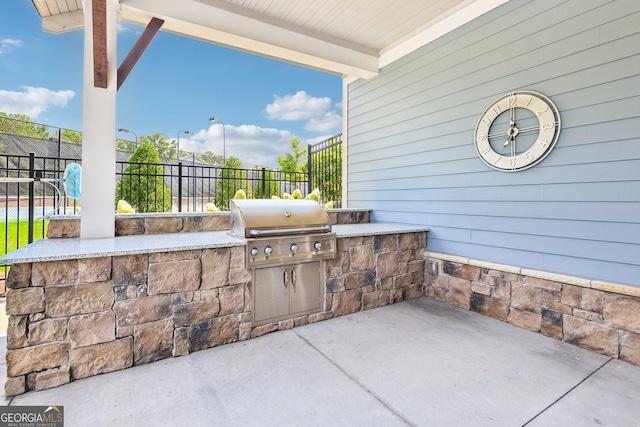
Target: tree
(124, 145)
(295, 162)
(231, 179)
(210, 158)
(70, 136)
(19, 124)
(166, 148)
(142, 183)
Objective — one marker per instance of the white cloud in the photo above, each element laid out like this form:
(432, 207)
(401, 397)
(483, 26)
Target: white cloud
(253, 145)
(33, 100)
(6, 45)
(328, 121)
(302, 106)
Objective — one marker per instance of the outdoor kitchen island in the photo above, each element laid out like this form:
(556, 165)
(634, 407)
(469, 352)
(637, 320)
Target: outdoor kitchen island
(83, 307)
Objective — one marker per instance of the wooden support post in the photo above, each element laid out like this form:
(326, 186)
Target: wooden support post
(99, 16)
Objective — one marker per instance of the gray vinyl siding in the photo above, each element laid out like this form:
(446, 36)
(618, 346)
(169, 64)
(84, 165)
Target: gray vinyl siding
(411, 156)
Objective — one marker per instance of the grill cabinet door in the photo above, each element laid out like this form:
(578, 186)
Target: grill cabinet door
(305, 289)
(270, 296)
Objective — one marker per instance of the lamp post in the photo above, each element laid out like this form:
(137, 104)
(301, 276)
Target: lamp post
(130, 131)
(186, 132)
(224, 138)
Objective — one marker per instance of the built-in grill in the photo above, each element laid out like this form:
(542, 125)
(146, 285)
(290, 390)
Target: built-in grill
(286, 242)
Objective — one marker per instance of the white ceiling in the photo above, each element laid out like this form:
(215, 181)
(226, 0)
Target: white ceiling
(349, 37)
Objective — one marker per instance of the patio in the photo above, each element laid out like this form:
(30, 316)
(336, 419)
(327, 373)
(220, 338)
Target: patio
(450, 367)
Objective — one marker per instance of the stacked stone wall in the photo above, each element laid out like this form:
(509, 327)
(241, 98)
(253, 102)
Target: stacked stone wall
(74, 319)
(598, 316)
(78, 318)
(373, 271)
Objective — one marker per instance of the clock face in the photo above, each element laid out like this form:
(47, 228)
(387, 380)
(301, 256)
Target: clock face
(517, 131)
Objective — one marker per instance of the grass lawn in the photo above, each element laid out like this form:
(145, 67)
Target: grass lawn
(14, 235)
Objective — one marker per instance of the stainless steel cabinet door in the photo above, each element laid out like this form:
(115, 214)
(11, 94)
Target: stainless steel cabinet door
(305, 289)
(287, 291)
(271, 293)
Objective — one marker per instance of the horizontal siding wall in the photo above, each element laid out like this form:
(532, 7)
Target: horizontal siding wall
(411, 156)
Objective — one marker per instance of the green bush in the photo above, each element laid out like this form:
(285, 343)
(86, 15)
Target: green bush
(142, 183)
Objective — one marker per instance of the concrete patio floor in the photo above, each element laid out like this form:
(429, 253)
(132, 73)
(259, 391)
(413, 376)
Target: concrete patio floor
(420, 362)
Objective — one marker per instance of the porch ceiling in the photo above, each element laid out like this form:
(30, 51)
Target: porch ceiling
(348, 37)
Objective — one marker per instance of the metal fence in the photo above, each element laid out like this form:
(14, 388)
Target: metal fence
(25, 206)
(190, 187)
(325, 169)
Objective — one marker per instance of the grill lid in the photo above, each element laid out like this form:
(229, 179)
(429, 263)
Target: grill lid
(267, 218)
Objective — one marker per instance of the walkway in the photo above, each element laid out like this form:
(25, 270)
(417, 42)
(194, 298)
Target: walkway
(419, 362)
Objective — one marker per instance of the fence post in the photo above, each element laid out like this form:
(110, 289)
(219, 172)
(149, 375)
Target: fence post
(32, 164)
(59, 146)
(58, 174)
(264, 182)
(193, 170)
(309, 168)
(179, 186)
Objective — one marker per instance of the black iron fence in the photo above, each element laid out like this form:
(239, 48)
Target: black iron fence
(325, 169)
(184, 187)
(27, 201)
(25, 206)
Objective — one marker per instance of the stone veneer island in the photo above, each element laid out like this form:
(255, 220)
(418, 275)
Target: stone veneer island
(83, 307)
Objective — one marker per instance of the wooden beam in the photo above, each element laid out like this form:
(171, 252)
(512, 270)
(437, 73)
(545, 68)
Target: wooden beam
(99, 16)
(138, 49)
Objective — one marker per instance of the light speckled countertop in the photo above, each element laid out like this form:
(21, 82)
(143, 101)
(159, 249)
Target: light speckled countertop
(375, 228)
(74, 248)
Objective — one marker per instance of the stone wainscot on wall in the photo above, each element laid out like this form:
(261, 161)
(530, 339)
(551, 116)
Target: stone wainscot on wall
(602, 317)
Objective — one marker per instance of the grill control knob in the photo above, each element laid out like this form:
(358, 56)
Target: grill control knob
(268, 250)
(317, 246)
(294, 248)
(254, 252)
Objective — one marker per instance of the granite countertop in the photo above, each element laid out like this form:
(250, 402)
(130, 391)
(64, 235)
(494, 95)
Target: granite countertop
(375, 228)
(75, 248)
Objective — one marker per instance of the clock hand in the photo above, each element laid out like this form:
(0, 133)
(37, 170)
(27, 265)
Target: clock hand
(511, 133)
(504, 147)
(512, 129)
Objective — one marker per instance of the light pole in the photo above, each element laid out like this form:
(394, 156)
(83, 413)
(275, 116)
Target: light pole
(186, 132)
(130, 131)
(224, 138)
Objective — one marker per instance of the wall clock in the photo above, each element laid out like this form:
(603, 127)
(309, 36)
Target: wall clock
(517, 131)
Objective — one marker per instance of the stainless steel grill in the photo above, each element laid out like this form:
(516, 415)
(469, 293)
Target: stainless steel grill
(282, 231)
(286, 242)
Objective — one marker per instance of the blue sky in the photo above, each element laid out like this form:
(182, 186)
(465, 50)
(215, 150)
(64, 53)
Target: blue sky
(176, 86)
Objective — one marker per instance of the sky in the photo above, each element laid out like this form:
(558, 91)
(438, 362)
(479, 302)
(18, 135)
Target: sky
(178, 84)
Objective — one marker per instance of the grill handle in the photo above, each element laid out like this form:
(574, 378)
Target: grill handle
(293, 279)
(286, 231)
